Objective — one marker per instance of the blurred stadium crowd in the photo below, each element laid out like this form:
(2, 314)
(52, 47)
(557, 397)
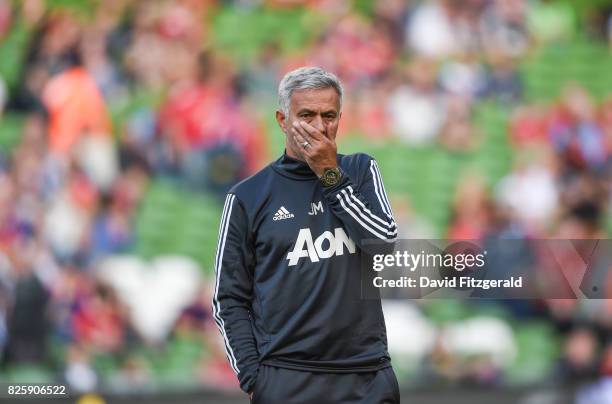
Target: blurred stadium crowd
(122, 123)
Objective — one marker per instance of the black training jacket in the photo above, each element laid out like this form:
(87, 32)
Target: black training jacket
(287, 290)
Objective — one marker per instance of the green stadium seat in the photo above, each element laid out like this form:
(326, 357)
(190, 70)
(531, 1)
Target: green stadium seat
(586, 63)
(11, 126)
(537, 347)
(174, 221)
(442, 311)
(28, 374)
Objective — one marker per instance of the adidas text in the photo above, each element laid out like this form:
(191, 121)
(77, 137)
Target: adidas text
(282, 213)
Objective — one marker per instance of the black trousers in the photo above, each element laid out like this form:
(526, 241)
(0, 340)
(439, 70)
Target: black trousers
(285, 386)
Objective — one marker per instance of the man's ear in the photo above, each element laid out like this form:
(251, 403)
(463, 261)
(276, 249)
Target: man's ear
(282, 121)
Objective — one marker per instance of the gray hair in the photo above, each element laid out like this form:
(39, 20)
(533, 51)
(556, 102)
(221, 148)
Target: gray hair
(306, 78)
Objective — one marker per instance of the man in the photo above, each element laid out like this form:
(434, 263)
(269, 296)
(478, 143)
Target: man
(287, 293)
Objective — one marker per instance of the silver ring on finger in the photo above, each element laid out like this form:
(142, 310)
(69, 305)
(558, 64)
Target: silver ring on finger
(305, 144)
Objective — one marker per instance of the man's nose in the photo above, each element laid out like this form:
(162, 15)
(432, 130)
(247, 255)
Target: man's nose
(318, 124)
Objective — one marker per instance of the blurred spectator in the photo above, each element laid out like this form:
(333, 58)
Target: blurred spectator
(79, 373)
(207, 130)
(529, 125)
(599, 392)
(473, 351)
(458, 133)
(366, 113)
(67, 218)
(503, 27)
(112, 230)
(53, 50)
(470, 211)
(97, 157)
(99, 320)
(583, 221)
(5, 17)
(417, 109)
(260, 79)
(28, 324)
(438, 29)
(356, 50)
(503, 81)
(393, 15)
(75, 106)
(463, 76)
(580, 356)
(108, 78)
(531, 190)
(606, 122)
(575, 132)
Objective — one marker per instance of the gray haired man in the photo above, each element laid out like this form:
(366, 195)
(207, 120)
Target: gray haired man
(287, 292)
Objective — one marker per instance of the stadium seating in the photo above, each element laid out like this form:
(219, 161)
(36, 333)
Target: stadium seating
(581, 61)
(176, 221)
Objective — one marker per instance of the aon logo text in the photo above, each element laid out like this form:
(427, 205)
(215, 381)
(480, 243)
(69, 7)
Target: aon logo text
(326, 245)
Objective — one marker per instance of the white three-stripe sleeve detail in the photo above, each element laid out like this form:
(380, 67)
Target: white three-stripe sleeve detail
(222, 226)
(379, 188)
(389, 224)
(389, 232)
(227, 212)
(374, 232)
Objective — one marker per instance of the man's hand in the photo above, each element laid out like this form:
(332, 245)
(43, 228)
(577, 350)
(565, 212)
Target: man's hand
(251, 395)
(318, 151)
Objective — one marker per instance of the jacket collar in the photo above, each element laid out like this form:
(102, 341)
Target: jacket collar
(293, 168)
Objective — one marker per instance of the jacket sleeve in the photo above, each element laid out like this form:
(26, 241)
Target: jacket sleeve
(233, 292)
(366, 212)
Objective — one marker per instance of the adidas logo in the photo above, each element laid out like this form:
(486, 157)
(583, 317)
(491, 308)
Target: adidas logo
(282, 213)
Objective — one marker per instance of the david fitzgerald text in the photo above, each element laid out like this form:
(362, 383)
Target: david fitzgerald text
(447, 282)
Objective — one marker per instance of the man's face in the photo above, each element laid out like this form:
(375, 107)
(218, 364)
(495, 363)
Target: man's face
(318, 107)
